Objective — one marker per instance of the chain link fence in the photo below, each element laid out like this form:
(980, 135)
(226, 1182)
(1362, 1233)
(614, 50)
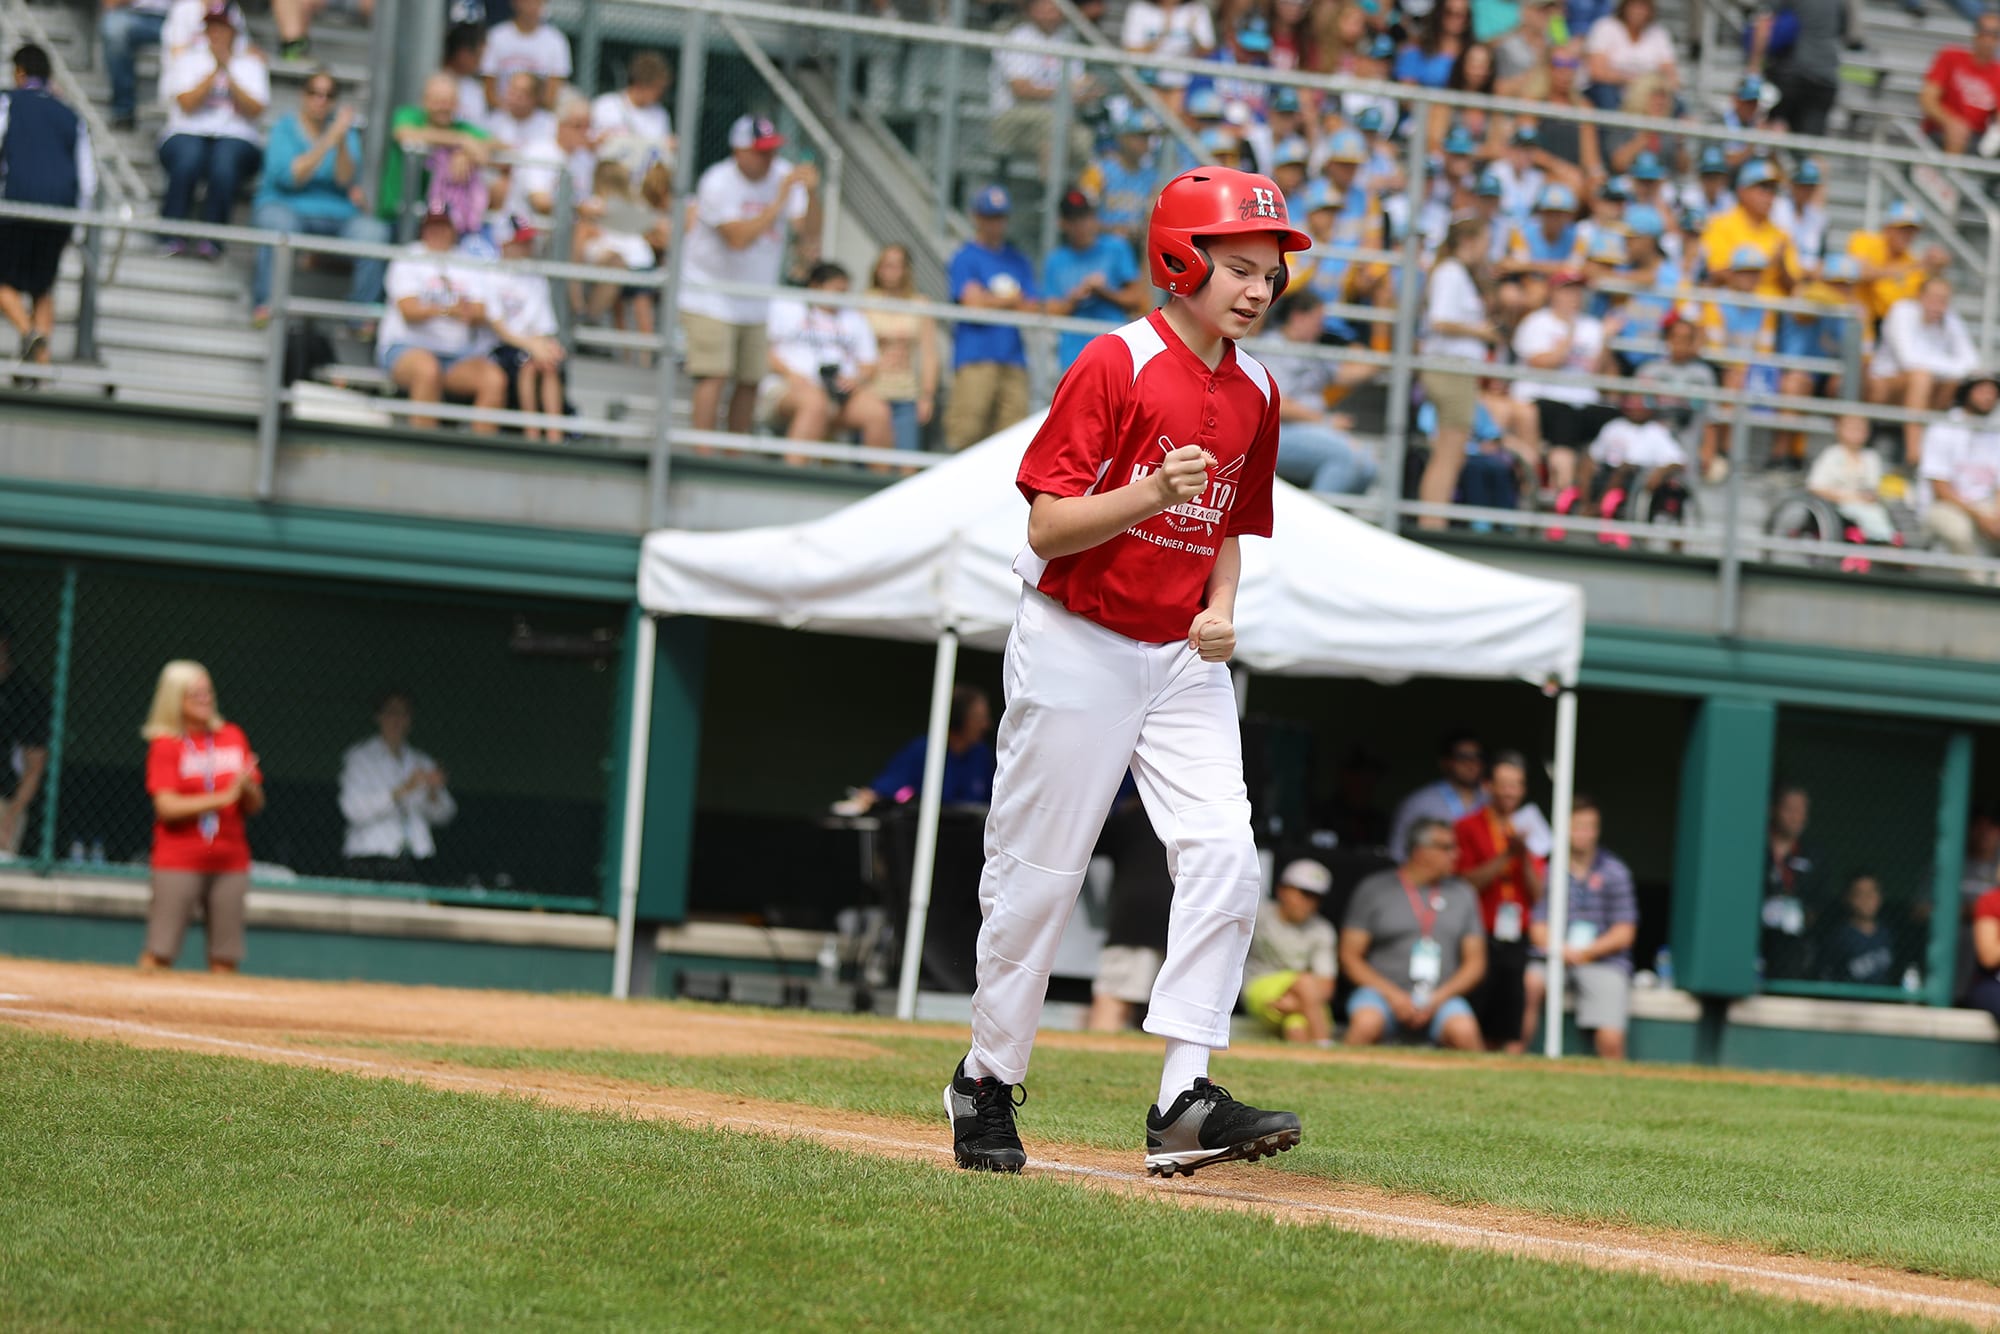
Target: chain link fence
(1851, 893)
(513, 701)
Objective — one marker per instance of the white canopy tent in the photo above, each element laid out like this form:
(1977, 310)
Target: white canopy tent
(930, 559)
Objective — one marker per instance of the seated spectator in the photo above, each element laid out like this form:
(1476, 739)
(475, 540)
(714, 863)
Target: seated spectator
(635, 117)
(1626, 45)
(1521, 177)
(1861, 950)
(1569, 150)
(1547, 245)
(1802, 213)
(431, 340)
(1892, 266)
(1124, 180)
(310, 184)
(1602, 230)
(1848, 476)
(1923, 352)
(1626, 150)
(1636, 455)
(1712, 196)
(1961, 90)
(1961, 461)
(1486, 131)
(822, 359)
(1180, 29)
(1496, 859)
(524, 320)
(1314, 449)
(1090, 275)
(1370, 61)
(1657, 278)
(1597, 947)
(1561, 337)
(1459, 790)
(989, 384)
(392, 796)
(1984, 993)
(520, 119)
(906, 376)
(1494, 459)
(1682, 367)
(968, 762)
(1749, 226)
(570, 148)
(1135, 914)
(45, 159)
(1521, 56)
(743, 207)
(186, 32)
(1412, 946)
(615, 229)
(1741, 333)
(1289, 973)
(127, 27)
(445, 144)
(525, 43)
(464, 51)
(1024, 85)
(1442, 34)
(1745, 112)
(1824, 332)
(215, 97)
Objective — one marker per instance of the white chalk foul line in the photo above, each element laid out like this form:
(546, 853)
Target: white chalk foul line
(1500, 1237)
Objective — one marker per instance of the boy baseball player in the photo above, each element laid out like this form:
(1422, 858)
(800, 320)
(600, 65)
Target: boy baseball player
(1157, 455)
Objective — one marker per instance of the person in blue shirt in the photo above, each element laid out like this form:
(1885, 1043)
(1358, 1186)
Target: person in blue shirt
(1123, 181)
(968, 760)
(312, 165)
(989, 382)
(1091, 275)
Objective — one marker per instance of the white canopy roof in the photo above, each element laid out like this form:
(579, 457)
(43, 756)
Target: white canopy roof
(1327, 595)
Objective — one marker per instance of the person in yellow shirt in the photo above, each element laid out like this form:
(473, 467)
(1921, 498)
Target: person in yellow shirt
(1891, 267)
(1749, 225)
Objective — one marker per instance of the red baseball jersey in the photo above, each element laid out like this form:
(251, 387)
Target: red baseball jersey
(1134, 395)
(194, 765)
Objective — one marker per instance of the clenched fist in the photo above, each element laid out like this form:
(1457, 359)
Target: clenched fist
(1183, 474)
(1213, 636)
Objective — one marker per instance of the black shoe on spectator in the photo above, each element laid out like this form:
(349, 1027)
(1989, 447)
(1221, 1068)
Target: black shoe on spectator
(296, 49)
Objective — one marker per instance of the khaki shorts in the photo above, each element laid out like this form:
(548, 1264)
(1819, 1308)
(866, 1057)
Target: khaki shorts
(986, 398)
(177, 898)
(1127, 972)
(1455, 397)
(1603, 994)
(719, 350)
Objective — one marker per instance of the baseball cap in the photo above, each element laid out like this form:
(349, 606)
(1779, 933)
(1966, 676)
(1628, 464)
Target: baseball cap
(1369, 121)
(1750, 89)
(1306, 874)
(1808, 173)
(1645, 220)
(1076, 204)
(1527, 136)
(755, 132)
(1133, 123)
(1900, 213)
(1487, 186)
(1382, 47)
(1215, 140)
(1254, 34)
(991, 201)
(1615, 188)
(1607, 249)
(1458, 142)
(1285, 99)
(1205, 104)
(1293, 150)
(516, 228)
(1747, 258)
(1757, 171)
(1319, 195)
(1840, 269)
(1648, 167)
(1347, 146)
(1713, 161)
(1556, 199)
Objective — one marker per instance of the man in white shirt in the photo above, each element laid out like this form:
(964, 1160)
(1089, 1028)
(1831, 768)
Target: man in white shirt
(1025, 83)
(1962, 465)
(392, 795)
(569, 146)
(1183, 30)
(743, 208)
(821, 359)
(525, 43)
(637, 113)
(1922, 352)
(521, 119)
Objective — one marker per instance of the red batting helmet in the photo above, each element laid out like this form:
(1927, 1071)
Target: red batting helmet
(1214, 201)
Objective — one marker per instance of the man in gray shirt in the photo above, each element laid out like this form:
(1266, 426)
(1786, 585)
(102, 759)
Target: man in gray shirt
(1413, 946)
(1806, 73)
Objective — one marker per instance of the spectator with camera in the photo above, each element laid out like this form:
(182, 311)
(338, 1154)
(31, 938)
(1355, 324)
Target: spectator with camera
(822, 360)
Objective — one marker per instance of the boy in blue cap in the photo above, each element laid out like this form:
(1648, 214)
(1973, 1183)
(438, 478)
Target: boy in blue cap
(989, 384)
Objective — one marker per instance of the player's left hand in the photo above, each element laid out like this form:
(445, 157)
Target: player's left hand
(1212, 636)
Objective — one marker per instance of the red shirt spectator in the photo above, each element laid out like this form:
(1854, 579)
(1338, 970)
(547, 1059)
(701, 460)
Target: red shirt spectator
(192, 766)
(1961, 92)
(1493, 856)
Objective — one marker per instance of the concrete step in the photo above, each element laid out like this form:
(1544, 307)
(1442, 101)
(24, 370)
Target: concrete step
(178, 312)
(208, 346)
(140, 269)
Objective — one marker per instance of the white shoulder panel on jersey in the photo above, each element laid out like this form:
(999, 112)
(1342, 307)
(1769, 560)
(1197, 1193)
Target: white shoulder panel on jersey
(1253, 370)
(1144, 342)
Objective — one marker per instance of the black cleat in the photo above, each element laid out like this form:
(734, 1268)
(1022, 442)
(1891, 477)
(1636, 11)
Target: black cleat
(983, 1138)
(1206, 1125)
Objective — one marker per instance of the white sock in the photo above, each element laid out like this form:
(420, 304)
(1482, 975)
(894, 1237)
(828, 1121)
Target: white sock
(974, 1067)
(1185, 1063)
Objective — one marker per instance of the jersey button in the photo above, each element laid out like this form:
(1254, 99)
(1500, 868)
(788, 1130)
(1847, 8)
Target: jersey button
(1211, 421)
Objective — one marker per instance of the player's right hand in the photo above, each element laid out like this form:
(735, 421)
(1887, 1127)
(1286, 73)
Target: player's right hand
(1183, 474)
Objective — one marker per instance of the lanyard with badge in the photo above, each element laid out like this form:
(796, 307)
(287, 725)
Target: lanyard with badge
(209, 822)
(1426, 958)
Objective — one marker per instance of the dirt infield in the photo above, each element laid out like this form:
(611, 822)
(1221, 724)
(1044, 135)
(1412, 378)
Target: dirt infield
(265, 1020)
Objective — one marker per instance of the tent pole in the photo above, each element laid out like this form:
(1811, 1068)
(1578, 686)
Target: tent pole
(637, 746)
(929, 805)
(1558, 915)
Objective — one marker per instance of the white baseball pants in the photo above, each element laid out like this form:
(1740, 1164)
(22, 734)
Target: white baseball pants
(1083, 704)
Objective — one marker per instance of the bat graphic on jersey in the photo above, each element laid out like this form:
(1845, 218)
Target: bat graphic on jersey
(1207, 509)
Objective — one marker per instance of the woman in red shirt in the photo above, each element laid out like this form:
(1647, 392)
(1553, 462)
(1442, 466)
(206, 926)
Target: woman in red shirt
(203, 780)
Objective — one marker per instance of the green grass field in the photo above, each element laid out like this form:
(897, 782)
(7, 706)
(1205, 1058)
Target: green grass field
(1889, 1175)
(157, 1189)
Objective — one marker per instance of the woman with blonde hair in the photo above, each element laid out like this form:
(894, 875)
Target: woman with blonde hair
(907, 374)
(203, 780)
